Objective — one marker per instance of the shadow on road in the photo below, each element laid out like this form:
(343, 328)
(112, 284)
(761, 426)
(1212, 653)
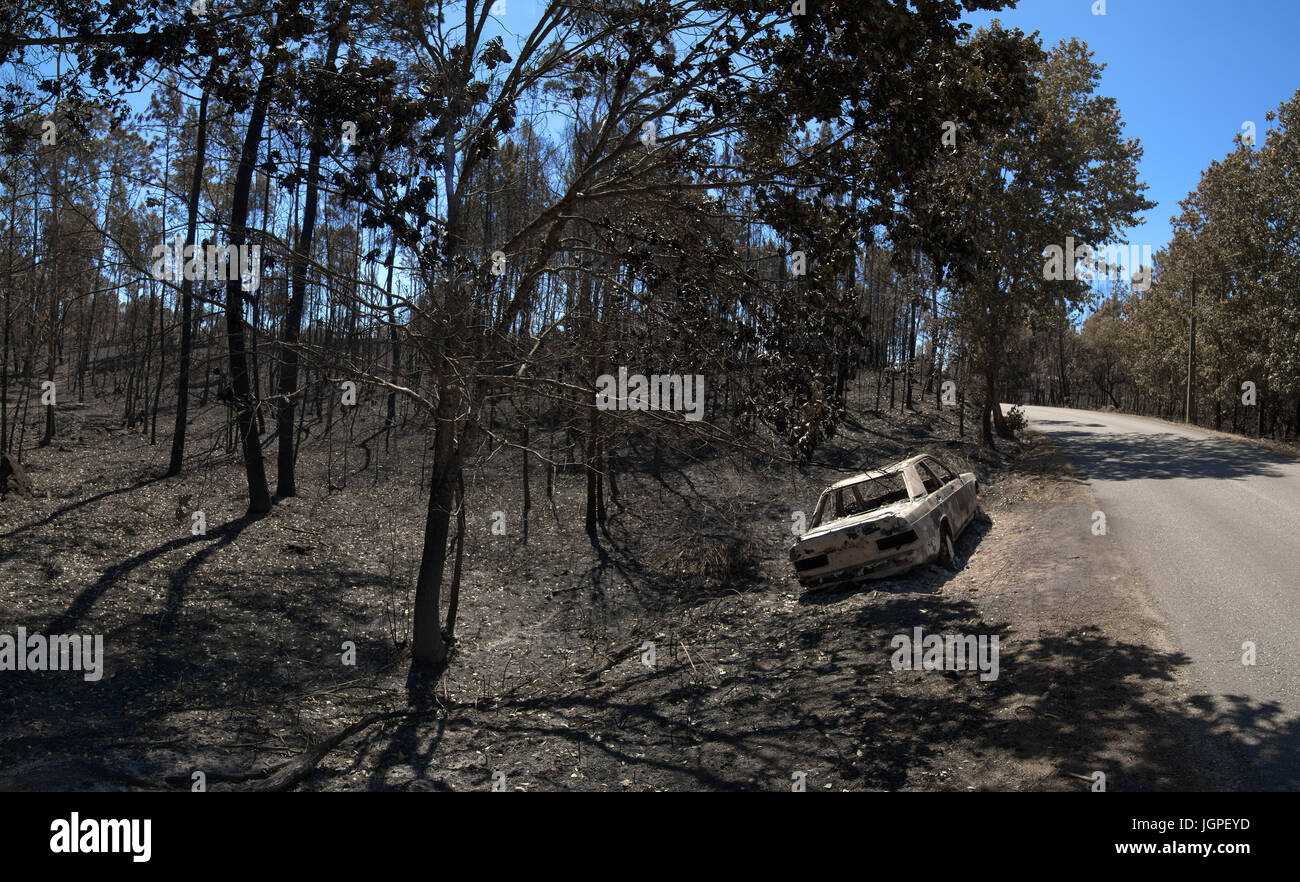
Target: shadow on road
(1126, 457)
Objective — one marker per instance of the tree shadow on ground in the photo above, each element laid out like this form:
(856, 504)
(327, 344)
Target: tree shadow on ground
(241, 658)
(81, 605)
(80, 503)
(1078, 701)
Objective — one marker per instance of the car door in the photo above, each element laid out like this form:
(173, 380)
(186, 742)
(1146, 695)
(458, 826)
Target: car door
(947, 499)
(934, 485)
(959, 496)
(933, 501)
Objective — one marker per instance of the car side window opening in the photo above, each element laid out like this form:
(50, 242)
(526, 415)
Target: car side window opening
(932, 484)
(943, 471)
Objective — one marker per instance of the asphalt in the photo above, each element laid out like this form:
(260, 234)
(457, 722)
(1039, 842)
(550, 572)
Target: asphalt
(1212, 527)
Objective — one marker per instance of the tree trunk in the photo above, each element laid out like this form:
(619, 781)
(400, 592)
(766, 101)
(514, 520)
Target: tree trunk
(592, 473)
(528, 493)
(55, 260)
(285, 483)
(986, 411)
(187, 288)
(427, 643)
(259, 494)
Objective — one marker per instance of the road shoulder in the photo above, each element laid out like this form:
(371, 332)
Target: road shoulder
(1096, 683)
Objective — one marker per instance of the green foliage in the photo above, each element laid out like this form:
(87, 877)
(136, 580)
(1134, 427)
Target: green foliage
(1058, 167)
(1237, 241)
(1015, 420)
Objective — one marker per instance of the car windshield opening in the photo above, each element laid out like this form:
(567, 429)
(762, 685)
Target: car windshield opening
(864, 496)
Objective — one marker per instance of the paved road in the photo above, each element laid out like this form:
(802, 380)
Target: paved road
(1213, 527)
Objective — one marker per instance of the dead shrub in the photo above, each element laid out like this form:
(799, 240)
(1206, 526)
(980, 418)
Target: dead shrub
(722, 560)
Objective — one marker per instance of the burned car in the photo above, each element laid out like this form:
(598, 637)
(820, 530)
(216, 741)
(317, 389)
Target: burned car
(883, 522)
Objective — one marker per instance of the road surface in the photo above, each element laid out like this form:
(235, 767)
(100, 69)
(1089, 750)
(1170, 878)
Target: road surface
(1212, 525)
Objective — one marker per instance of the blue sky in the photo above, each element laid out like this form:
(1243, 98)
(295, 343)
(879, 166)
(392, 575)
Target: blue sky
(1186, 74)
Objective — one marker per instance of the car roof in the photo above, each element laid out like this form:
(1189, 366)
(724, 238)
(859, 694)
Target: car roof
(883, 470)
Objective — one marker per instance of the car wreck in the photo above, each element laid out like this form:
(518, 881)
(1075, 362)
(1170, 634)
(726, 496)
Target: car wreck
(884, 522)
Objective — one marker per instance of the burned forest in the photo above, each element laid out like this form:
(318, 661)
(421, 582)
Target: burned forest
(629, 395)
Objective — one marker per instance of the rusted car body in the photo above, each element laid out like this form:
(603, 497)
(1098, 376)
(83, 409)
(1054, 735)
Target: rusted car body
(883, 522)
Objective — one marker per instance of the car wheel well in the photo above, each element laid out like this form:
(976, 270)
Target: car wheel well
(947, 555)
